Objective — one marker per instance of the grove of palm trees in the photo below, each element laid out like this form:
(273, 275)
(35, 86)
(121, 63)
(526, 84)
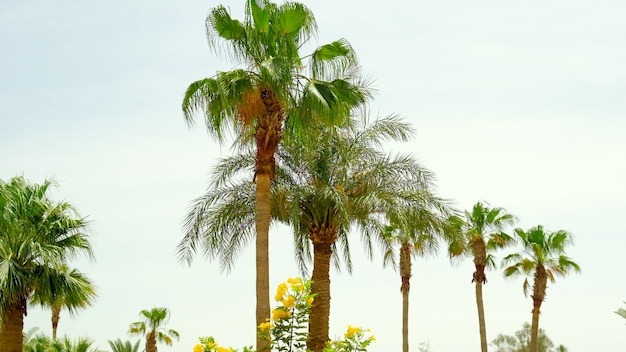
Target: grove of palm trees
(300, 205)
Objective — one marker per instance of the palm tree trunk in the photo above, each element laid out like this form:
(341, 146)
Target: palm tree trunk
(539, 292)
(320, 310)
(11, 338)
(56, 312)
(151, 342)
(262, 222)
(405, 276)
(481, 316)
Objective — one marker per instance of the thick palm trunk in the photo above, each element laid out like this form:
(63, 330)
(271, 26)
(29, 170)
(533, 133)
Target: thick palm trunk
(151, 342)
(262, 255)
(320, 310)
(11, 338)
(539, 293)
(56, 313)
(479, 278)
(405, 276)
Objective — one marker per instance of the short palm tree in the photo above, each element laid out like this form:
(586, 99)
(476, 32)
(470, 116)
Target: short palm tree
(123, 346)
(342, 180)
(276, 91)
(621, 312)
(482, 232)
(419, 231)
(69, 289)
(543, 257)
(151, 327)
(37, 236)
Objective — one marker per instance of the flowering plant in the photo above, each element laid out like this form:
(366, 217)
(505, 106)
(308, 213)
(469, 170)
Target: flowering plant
(287, 330)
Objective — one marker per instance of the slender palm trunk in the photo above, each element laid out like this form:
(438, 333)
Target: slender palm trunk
(481, 316)
(539, 293)
(479, 251)
(320, 310)
(267, 136)
(262, 255)
(11, 338)
(405, 276)
(56, 313)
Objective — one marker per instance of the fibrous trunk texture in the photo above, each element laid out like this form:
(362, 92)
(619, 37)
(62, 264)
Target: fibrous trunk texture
(479, 252)
(323, 240)
(539, 293)
(56, 313)
(267, 136)
(405, 275)
(151, 342)
(11, 338)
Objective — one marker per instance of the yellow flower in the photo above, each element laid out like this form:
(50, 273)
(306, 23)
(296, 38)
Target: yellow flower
(352, 330)
(278, 314)
(296, 283)
(372, 338)
(265, 326)
(223, 349)
(289, 301)
(198, 348)
(280, 291)
(309, 301)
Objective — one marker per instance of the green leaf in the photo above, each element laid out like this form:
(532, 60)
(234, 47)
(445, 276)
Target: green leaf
(260, 15)
(227, 27)
(330, 51)
(291, 19)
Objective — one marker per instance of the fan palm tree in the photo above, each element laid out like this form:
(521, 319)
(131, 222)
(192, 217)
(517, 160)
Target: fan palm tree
(123, 346)
(69, 289)
(275, 91)
(483, 233)
(542, 256)
(152, 328)
(420, 230)
(37, 235)
(621, 312)
(322, 192)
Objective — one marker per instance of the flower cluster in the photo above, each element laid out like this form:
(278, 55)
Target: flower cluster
(208, 344)
(355, 339)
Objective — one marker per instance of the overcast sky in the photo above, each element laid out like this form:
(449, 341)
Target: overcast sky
(517, 103)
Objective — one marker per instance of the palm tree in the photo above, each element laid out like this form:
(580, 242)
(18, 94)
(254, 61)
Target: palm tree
(69, 289)
(152, 328)
(123, 346)
(419, 236)
(482, 233)
(322, 192)
(273, 92)
(37, 235)
(542, 256)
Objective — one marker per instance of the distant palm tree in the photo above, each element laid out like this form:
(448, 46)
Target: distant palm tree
(543, 257)
(124, 346)
(69, 289)
(37, 236)
(43, 343)
(424, 226)
(277, 91)
(483, 233)
(621, 312)
(151, 327)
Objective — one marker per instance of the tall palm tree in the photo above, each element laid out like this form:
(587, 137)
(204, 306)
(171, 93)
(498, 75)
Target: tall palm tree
(482, 233)
(124, 346)
(69, 289)
(542, 256)
(322, 192)
(275, 91)
(152, 328)
(420, 230)
(37, 235)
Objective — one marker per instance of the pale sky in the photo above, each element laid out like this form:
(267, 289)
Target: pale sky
(517, 103)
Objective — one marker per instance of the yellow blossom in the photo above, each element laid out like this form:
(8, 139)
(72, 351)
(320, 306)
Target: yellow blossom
(280, 291)
(198, 348)
(296, 283)
(352, 330)
(223, 349)
(278, 314)
(265, 326)
(372, 338)
(289, 301)
(309, 301)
